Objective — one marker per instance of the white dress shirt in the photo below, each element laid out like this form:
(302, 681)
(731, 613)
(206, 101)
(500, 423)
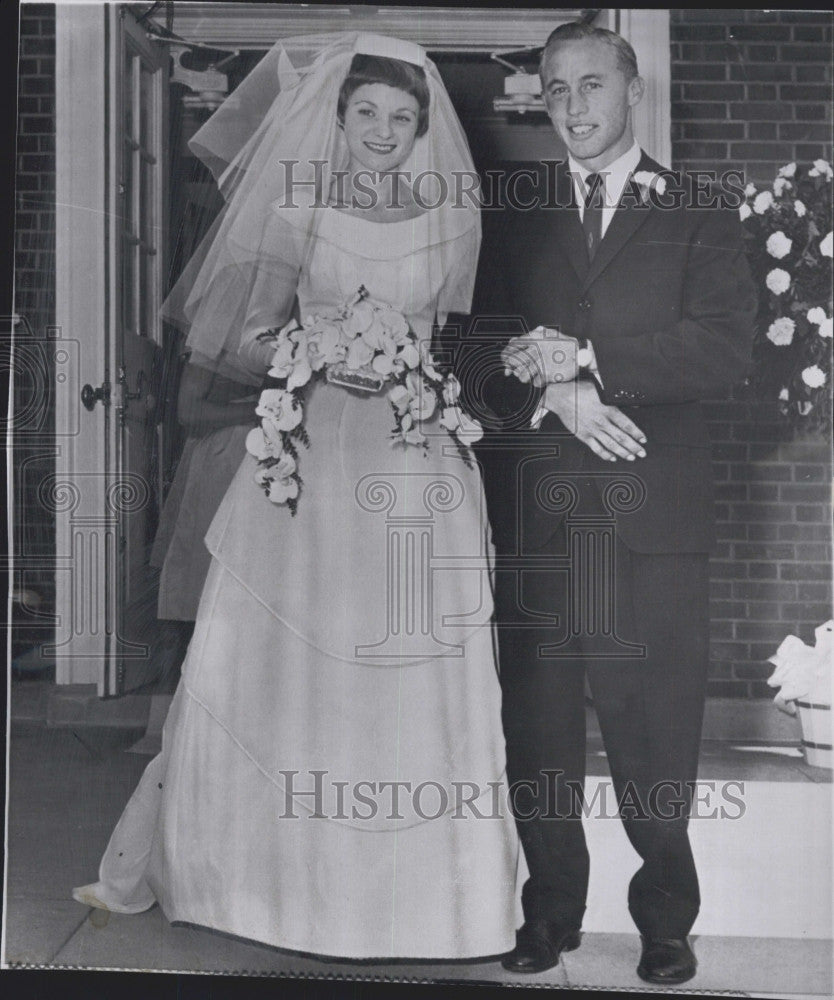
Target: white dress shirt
(613, 180)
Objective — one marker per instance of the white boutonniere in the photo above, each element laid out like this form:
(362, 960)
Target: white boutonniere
(648, 182)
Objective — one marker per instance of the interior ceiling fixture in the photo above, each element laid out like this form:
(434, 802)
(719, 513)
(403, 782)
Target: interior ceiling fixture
(209, 86)
(522, 90)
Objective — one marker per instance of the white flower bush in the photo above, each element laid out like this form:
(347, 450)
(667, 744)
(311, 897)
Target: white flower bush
(790, 222)
(821, 168)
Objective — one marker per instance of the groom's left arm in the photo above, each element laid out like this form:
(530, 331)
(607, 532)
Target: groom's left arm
(708, 349)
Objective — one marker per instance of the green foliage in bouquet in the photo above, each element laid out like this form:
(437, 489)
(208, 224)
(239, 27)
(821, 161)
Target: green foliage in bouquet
(788, 239)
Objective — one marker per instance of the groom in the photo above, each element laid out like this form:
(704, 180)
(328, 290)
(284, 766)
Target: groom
(650, 289)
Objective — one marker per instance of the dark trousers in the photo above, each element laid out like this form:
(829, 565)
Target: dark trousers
(650, 711)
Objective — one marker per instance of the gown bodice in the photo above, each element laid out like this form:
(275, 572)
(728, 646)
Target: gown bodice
(389, 259)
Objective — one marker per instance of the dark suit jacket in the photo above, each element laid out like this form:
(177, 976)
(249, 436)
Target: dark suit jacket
(668, 304)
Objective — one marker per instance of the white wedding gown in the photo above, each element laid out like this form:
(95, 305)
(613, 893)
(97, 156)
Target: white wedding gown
(349, 644)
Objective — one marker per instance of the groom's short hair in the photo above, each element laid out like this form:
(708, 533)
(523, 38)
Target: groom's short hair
(575, 31)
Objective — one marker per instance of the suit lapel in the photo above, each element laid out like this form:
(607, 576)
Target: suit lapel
(627, 220)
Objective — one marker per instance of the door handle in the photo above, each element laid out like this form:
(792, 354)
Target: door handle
(91, 396)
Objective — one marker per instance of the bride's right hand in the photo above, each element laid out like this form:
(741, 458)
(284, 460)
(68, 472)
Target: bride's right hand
(606, 430)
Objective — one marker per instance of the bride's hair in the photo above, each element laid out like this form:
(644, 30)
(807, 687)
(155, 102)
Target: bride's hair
(405, 76)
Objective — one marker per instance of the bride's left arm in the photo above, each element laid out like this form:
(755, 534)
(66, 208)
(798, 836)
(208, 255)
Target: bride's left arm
(270, 307)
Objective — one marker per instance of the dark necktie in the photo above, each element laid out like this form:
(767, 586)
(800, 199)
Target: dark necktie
(592, 216)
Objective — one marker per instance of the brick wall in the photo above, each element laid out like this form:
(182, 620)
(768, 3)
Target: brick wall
(752, 90)
(35, 182)
(34, 301)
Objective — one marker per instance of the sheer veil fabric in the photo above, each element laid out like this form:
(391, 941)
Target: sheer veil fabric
(274, 147)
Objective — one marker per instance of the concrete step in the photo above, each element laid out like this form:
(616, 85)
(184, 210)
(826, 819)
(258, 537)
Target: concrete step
(725, 719)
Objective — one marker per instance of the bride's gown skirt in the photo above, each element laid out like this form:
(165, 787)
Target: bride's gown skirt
(337, 653)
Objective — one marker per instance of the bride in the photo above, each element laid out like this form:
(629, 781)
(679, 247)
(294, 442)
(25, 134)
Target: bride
(333, 761)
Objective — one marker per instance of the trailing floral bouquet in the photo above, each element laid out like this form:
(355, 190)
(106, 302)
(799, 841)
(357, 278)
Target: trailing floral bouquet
(363, 345)
(788, 234)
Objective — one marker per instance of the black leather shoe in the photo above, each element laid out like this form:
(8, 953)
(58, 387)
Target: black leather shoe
(666, 960)
(539, 943)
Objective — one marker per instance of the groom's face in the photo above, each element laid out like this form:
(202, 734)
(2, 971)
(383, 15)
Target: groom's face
(589, 99)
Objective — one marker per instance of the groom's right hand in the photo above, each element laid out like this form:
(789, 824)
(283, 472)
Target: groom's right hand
(606, 430)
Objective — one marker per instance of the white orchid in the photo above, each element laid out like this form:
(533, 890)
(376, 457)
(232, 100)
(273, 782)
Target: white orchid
(788, 170)
(744, 211)
(423, 400)
(451, 390)
(325, 345)
(261, 446)
(410, 357)
(279, 479)
(799, 208)
(466, 429)
(780, 185)
(415, 437)
(283, 360)
(280, 409)
(359, 354)
(394, 324)
(825, 245)
(399, 397)
(359, 319)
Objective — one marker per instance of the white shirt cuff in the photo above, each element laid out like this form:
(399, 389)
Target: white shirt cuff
(593, 367)
(541, 412)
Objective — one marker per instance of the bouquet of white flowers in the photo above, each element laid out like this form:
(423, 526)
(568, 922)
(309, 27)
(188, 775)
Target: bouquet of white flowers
(788, 234)
(363, 345)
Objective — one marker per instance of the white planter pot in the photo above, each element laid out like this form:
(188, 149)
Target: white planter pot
(816, 733)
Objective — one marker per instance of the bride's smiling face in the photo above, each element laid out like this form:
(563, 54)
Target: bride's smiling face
(380, 124)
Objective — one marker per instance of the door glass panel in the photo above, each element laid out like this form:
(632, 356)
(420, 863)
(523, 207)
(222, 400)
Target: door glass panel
(147, 203)
(144, 270)
(130, 68)
(128, 284)
(146, 109)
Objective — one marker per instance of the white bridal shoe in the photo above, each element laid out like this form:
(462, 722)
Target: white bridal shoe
(90, 895)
